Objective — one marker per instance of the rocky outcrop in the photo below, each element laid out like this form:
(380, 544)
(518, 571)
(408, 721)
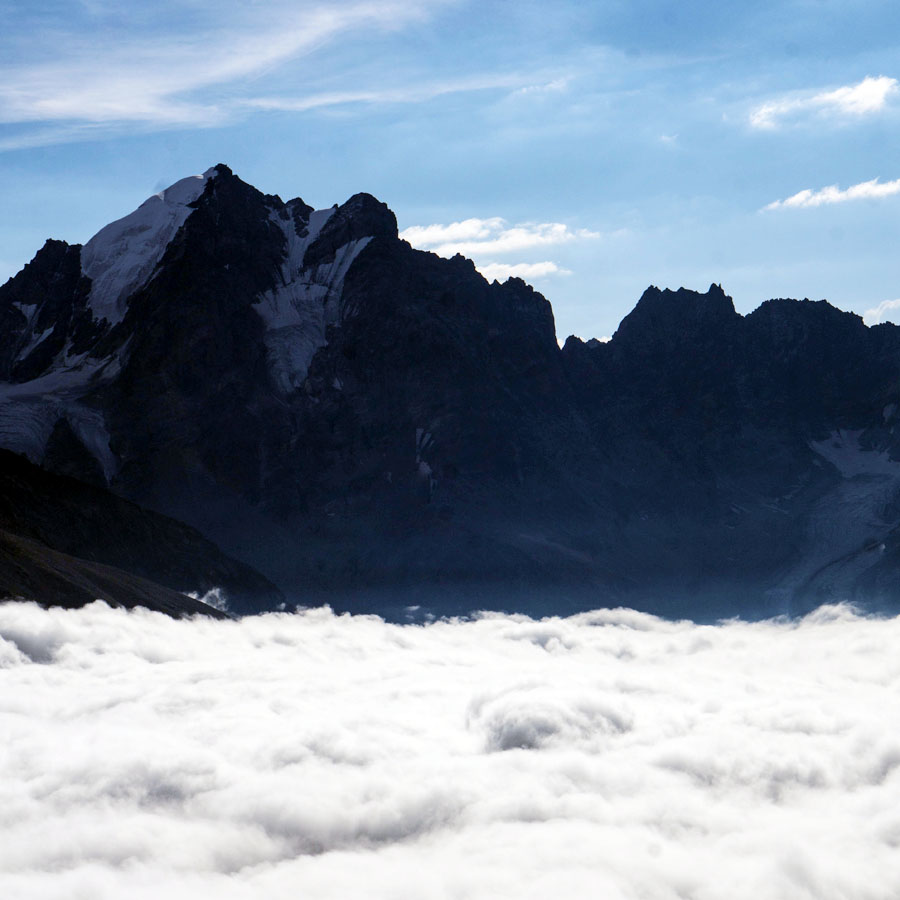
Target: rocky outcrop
(45, 313)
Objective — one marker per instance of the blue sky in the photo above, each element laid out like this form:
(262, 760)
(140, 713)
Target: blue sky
(594, 148)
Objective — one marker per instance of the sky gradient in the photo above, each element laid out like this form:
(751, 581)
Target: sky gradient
(593, 149)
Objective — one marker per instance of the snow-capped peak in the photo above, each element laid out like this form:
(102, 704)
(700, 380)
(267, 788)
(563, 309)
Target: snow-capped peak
(121, 257)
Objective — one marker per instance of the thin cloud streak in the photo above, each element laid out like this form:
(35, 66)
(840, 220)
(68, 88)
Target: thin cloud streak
(608, 754)
(865, 190)
(148, 80)
(415, 94)
(871, 95)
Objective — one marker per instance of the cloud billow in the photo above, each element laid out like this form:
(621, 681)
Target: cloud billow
(871, 95)
(483, 240)
(610, 754)
(827, 196)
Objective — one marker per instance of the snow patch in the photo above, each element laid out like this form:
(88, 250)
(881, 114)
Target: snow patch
(30, 411)
(846, 525)
(34, 342)
(297, 312)
(843, 451)
(29, 310)
(68, 380)
(121, 257)
(26, 426)
(90, 428)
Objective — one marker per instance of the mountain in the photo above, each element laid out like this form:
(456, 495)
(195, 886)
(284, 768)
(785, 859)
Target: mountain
(379, 427)
(65, 542)
(30, 570)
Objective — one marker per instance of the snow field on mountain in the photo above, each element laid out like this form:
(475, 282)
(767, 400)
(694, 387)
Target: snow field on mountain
(121, 257)
(611, 755)
(297, 312)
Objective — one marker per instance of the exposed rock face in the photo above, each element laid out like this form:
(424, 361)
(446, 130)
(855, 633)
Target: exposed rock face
(362, 421)
(45, 312)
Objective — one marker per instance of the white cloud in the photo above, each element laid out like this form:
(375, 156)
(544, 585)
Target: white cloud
(502, 271)
(409, 94)
(886, 311)
(480, 237)
(556, 86)
(168, 112)
(871, 95)
(865, 190)
(178, 79)
(610, 754)
(430, 236)
(484, 239)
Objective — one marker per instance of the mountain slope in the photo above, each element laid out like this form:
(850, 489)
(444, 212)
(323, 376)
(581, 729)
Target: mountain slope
(377, 426)
(30, 570)
(72, 538)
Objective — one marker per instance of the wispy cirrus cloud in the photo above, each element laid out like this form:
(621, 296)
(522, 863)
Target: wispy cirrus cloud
(145, 79)
(865, 190)
(483, 240)
(407, 94)
(871, 95)
(164, 79)
(554, 86)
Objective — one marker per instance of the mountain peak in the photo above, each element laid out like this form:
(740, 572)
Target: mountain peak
(369, 215)
(122, 256)
(666, 316)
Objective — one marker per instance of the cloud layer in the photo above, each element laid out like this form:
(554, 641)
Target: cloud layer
(870, 95)
(611, 755)
(865, 190)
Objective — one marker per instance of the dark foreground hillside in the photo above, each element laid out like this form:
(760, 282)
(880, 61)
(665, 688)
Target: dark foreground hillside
(63, 542)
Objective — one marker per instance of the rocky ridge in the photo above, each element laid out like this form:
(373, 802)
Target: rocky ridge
(376, 426)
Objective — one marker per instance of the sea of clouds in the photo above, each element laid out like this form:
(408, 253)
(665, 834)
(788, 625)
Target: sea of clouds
(608, 755)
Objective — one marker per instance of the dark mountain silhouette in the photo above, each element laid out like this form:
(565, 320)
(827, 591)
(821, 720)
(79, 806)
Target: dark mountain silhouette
(65, 542)
(375, 426)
